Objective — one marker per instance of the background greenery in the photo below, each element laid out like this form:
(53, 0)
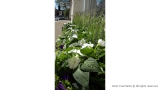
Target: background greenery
(93, 23)
(90, 27)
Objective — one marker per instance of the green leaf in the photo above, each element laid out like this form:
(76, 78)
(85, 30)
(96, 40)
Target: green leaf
(103, 54)
(68, 49)
(57, 67)
(64, 64)
(90, 65)
(67, 82)
(62, 56)
(99, 53)
(81, 35)
(87, 51)
(81, 77)
(74, 40)
(102, 64)
(102, 71)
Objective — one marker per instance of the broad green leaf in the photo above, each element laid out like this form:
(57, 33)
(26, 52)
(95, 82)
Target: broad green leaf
(87, 51)
(90, 65)
(81, 77)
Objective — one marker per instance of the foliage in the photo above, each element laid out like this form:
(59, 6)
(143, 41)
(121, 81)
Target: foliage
(80, 54)
(64, 3)
(66, 12)
(92, 23)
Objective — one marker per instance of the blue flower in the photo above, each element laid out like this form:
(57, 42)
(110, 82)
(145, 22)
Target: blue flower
(65, 77)
(60, 86)
(61, 46)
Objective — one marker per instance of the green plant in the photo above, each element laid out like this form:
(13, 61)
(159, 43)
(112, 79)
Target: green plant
(79, 64)
(92, 23)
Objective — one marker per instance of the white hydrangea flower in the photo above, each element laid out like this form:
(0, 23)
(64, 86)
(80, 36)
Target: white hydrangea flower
(87, 45)
(101, 43)
(74, 36)
(64, 23)
(73, 62)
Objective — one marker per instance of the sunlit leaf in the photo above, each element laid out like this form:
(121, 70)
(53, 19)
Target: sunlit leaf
(90, 65)
(87, 51)
(81, 77)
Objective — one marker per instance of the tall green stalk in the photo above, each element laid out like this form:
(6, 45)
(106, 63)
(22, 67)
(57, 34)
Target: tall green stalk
(93, 23)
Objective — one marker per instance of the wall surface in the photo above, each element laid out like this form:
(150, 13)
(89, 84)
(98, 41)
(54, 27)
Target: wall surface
(82, 6)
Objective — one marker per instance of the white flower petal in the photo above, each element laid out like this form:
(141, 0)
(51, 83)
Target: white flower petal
(101, 43)
(87, 45)
(73, 62)
(81, 42)
(74, 36)
(79, 52)
(75, 51)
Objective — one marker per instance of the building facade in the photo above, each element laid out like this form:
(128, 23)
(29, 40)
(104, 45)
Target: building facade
(84, 6)
(81, 6)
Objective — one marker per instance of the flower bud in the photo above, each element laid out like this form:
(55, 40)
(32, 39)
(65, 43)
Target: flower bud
(101, 43)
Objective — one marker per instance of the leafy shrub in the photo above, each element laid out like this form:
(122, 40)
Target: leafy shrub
(80, 54)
